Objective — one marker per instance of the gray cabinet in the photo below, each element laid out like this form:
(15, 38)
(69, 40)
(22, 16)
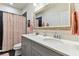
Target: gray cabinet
(31, 48)
(35, 52)
(43, 50)
(26, 47)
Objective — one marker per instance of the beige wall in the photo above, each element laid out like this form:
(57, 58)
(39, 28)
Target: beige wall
(66, 34)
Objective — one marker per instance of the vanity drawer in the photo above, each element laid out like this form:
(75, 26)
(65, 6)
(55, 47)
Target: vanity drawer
(43, 50)
(35, 53)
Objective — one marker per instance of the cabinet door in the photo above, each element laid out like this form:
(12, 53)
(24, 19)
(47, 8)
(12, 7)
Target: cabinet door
(26, 47)
(23, 50)
(43, 50)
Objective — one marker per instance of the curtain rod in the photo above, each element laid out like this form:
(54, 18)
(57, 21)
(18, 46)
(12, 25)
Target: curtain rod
(11, 13)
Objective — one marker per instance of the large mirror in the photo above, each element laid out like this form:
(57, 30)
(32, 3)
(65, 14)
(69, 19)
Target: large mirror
(53, 15)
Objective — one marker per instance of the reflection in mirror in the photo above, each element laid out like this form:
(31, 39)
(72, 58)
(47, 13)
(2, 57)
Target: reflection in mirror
(39, 20)
(53, 15)
(28, 23)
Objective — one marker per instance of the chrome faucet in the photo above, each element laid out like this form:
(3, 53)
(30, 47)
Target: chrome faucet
(37, 33)
(45, 34)
(56, 35)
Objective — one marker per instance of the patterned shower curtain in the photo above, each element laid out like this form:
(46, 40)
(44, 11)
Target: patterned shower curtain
(13, 28)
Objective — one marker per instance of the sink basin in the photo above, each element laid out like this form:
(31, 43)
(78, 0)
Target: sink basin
(41, 37)
(47, 38)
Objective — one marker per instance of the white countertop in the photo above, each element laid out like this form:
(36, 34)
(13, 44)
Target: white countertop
(65, 47)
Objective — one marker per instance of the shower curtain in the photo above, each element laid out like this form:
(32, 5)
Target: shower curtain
(7, 31)
(13, 28)
(19, 28)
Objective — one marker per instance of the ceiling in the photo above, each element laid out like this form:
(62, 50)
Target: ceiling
(19, 6)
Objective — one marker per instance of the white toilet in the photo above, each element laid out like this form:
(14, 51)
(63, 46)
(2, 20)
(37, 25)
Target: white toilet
(17, 49)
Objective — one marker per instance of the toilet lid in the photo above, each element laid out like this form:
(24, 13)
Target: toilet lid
(17, 46)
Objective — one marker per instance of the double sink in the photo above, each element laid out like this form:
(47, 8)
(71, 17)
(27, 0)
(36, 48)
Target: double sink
(66, 46)
(55, 38)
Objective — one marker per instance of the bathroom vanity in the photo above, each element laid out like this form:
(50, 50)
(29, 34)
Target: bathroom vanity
(39, 45)
(32, 48)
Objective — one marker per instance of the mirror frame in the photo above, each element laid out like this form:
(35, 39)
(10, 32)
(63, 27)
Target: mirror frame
(55, 27)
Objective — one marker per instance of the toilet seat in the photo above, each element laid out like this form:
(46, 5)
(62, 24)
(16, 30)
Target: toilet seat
(17, 46)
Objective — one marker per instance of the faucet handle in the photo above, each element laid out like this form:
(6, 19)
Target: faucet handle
(37, 33)
(59, 36)
(55, 34)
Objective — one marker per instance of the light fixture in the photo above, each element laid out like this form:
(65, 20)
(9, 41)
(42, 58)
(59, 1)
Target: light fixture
(11, 3)
(35, 4)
